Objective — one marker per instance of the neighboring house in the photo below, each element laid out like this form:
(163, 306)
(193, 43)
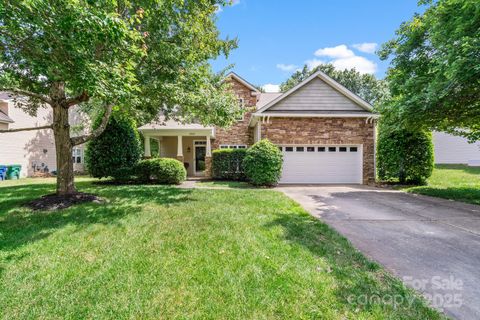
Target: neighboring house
(326, 132)
(451, 149)
(33, 150)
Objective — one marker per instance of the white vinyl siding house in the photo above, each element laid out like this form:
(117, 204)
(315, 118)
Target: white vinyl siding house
(451, 149)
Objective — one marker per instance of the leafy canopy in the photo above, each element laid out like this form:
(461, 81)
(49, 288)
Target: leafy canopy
(365, 86)
(150, 56)
(434, 76)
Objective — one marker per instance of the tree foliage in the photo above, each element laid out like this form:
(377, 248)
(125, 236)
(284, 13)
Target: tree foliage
(365, 86)
(148, 56)
(403, 154)
(115, 150)
(434, 76)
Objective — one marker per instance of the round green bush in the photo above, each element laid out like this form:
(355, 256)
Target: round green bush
(161, 170)
(404, 155)
(263, 164)
(116, 150)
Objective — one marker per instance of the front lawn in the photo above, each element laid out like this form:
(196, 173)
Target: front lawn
(454, 182)
(164, 252)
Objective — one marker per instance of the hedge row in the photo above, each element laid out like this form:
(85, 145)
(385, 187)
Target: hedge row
(157, 170)
(227, 164)
(261, 165)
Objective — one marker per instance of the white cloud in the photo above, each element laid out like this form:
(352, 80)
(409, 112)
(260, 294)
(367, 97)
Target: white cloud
(340, 51)
(313, 63)
(269, 87)
(287, 67)
(341, 57)
(367, 47)
(361, 64)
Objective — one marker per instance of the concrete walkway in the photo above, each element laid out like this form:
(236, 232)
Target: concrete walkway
(432, 244)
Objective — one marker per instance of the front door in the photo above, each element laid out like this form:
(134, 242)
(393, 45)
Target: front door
(199, 160)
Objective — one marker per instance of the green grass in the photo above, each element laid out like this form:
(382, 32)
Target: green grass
(454, 182)
(163, 252)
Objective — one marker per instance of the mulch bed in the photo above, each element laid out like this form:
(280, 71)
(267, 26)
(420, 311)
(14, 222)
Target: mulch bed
(56, 202)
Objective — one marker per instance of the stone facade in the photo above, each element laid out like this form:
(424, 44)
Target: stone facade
(208, 167)
(326, 131)
(238, 133)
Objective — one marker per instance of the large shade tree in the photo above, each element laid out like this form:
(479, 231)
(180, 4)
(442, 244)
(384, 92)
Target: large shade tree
(150, 56)
(434, 76)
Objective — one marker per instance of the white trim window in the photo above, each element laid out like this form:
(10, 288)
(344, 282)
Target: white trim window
(233, 146)
(77, 155)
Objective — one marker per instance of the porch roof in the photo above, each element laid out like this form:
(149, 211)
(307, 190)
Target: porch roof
(174, 128)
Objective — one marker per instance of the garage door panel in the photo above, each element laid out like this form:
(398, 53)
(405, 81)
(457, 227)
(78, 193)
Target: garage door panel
(322, 167)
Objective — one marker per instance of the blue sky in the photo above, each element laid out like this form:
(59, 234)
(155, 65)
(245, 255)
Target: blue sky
(278, 36)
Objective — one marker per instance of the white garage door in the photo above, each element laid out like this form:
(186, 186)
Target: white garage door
(322, 164)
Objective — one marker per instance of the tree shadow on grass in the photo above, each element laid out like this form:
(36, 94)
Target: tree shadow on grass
(355, 275)
(20, 226)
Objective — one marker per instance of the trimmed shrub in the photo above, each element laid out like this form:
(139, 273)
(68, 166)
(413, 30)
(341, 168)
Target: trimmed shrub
(116, 150)
(227, 164)
(404, 155)
(161, 170)
(263, 164)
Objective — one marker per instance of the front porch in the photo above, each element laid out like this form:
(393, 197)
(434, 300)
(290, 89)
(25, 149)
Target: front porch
(190, 145)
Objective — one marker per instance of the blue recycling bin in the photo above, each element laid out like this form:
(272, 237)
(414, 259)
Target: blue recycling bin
(3, 172)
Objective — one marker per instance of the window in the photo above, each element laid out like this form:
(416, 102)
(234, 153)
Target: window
(310, 149)
(233, 146)
(332, 149)
(77, 155)
(321, 149)
(300, 149)
(342, 149)
(353, 149)
(289, 149)
(200, 143)
(280, 148)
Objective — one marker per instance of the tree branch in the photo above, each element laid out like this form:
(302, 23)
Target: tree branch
(95, 133)
(27, 129)
(78, 99)
(28, 94)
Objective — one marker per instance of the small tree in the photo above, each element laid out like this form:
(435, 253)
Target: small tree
(404, 154)
(263, 164)
(116, 149)
(434, 73)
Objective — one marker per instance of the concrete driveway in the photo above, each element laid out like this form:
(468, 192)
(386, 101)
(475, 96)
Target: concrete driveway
(432, 244)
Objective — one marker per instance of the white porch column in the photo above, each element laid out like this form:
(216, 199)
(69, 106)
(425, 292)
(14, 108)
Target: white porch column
(147, 152)
(209, 147)
(179, 146)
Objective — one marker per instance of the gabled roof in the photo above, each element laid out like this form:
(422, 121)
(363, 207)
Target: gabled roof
(242, 81)
(334, 84)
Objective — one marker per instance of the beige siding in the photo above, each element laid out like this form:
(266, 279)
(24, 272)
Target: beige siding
(317, 95)
(29, 148)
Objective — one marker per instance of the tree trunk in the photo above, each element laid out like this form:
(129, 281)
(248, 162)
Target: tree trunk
(63, 145)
